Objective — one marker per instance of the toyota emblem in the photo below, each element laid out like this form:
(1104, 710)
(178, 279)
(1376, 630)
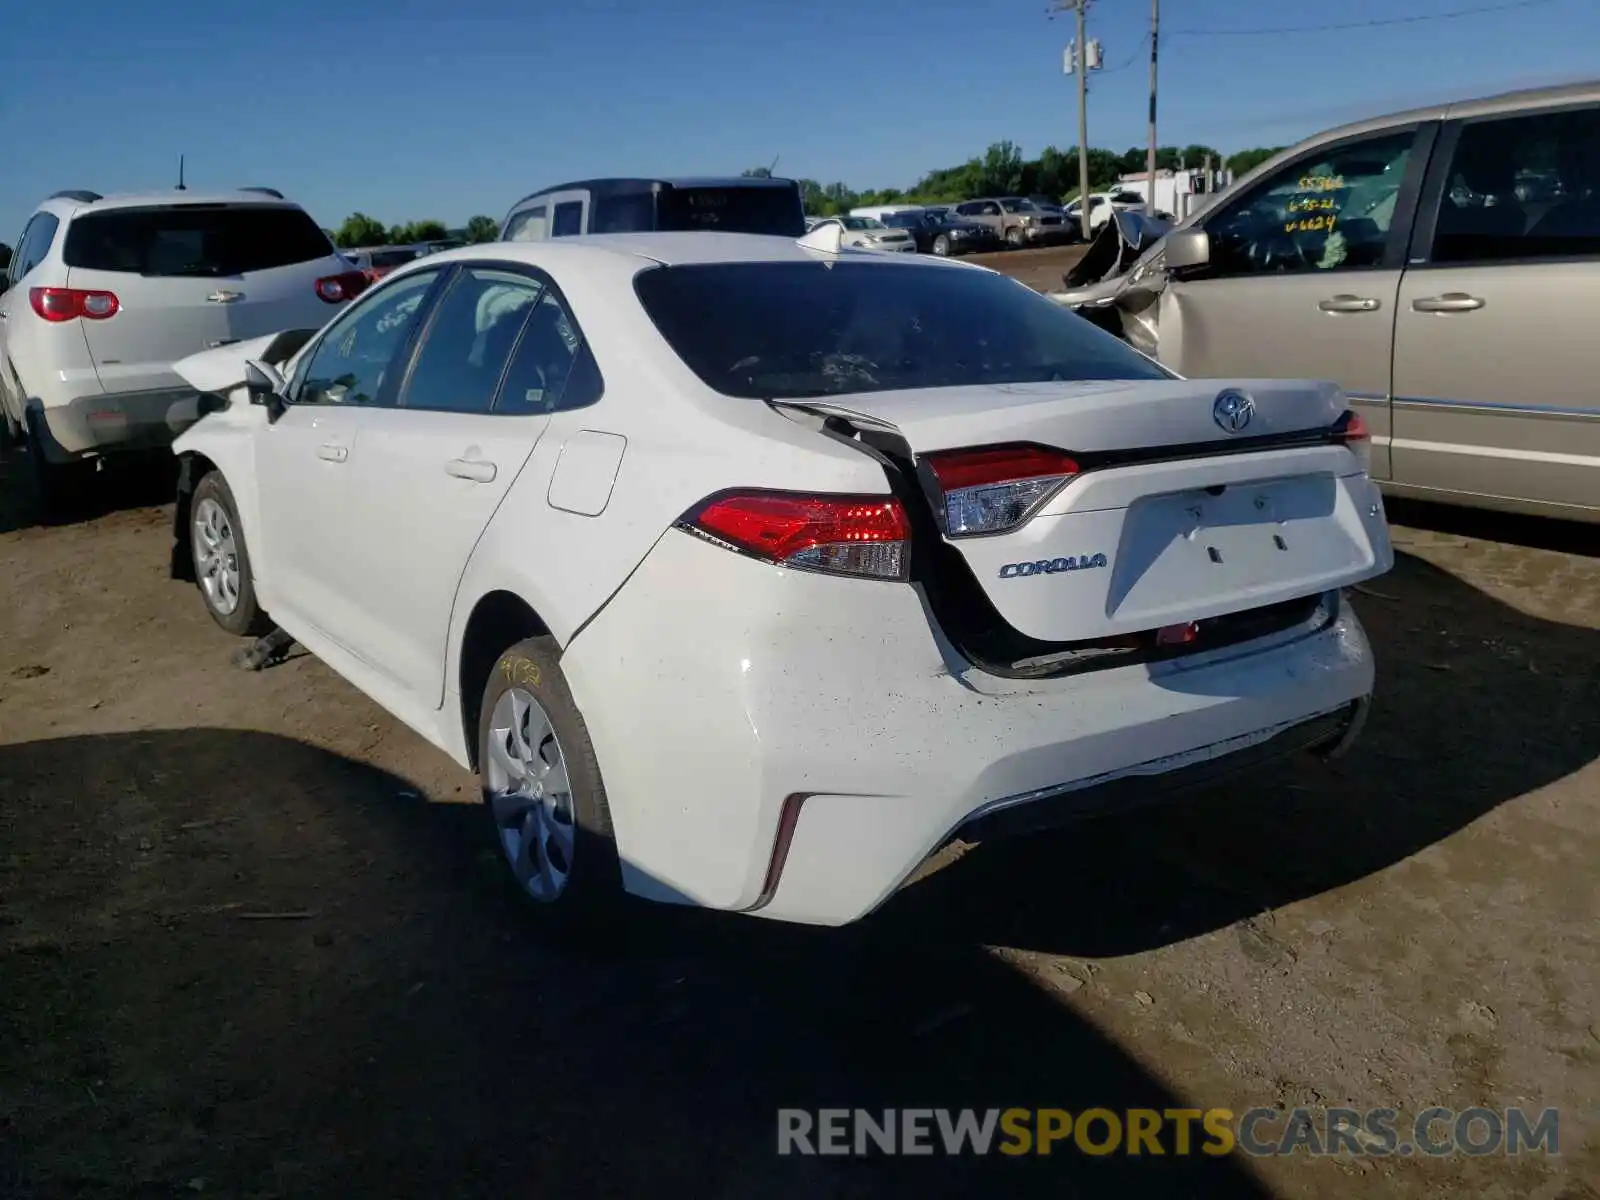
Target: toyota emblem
(1232, 410)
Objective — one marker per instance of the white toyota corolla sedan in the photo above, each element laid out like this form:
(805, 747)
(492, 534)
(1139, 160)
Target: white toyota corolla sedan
(748, 572)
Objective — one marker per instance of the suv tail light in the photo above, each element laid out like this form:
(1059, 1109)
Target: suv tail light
(866, 536)
(67, 304)
(346, 285)
(997, 488)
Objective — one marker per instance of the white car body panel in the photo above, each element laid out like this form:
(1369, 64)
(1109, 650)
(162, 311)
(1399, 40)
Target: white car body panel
(839, 696)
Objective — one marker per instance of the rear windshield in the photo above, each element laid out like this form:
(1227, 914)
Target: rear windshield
(194, 239)
(789, 330)
(393, 258)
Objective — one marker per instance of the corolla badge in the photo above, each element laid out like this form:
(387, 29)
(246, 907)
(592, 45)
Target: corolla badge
(1232, 410)
(1052, 566)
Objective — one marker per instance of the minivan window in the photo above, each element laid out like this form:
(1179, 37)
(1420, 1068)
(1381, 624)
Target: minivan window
(35, 244)
(194, 239)
(785, 330)
(567, 220)
(1522, 187)
(526, 226)
(1329, 210)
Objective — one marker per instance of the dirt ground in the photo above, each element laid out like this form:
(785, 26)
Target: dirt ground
(1039, 268)
(254, 941)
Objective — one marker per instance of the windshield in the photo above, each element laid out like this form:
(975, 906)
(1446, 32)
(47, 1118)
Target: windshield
(905, 220)
(861, 223)
(789, 330)
(1016, 206)
(393, 258)
(194, 239)
(767, 209)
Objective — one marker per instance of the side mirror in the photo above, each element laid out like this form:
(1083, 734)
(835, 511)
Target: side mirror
(265, 385)
(1187, 249)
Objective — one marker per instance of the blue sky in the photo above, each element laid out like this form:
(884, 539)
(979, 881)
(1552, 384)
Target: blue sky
(394, 109)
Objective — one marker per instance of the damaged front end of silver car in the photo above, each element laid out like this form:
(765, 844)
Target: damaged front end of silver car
(1118, 283)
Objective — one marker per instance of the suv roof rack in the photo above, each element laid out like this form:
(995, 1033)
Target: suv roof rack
(265, 191)
(80, 194)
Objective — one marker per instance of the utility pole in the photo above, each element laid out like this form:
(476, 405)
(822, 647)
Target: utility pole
(1082, 8)
(1150, 156)
(1080, 68)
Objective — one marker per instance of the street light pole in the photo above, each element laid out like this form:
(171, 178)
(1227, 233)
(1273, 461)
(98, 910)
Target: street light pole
(1082, 65)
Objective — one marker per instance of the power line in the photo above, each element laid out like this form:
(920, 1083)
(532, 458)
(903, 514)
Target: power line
(1411, 20)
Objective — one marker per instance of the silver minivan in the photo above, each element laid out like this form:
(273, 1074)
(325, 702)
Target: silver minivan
(1442, 265)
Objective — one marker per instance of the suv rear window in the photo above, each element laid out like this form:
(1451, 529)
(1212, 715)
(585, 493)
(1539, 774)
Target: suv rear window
(194, 239)
(790, 330)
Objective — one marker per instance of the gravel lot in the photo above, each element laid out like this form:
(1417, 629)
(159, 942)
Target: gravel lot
(253, 941)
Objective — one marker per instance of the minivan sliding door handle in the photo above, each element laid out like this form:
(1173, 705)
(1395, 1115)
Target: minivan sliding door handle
(1349, 304)
(1447, 303)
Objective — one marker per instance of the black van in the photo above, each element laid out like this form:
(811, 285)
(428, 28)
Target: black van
(743, 204)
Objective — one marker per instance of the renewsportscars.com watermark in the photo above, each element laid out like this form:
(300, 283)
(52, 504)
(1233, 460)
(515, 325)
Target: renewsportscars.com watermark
(1258, 1132)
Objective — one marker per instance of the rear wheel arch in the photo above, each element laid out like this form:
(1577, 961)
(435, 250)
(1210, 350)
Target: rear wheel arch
(499, 620)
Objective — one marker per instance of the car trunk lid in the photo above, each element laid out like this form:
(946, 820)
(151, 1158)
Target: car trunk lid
(1176, 510)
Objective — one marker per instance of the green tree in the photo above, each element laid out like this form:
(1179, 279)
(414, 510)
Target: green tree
(482, 229)
(418, 231)
(359, 230)
(5, 255)
(1249, 160)
(1002, 169)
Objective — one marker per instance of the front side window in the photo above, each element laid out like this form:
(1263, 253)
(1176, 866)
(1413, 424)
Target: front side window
(1522, 187)
(469, 340)
(786, 330)
(526, 226)
(351, 362)
(194, 239)
(1328, 211)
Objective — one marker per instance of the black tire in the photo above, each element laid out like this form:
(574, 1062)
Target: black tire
(592, 893)
(247, 619)
(1014, 238)
(941, 245)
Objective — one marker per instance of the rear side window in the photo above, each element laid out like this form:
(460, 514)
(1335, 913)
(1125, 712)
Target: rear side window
(35, 244)
(194, 239)
(1522, 187)
(770, 210)
(469, 341)
(789, 330)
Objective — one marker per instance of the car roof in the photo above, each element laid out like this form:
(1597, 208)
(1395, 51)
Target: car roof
(672, 249)
(631, 184)
(1502, 102)
(171, 197)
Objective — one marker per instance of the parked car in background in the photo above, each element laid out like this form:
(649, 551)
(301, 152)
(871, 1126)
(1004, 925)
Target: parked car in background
(1045, 203)
(105, 293)
(881, 212)
(942, 234)
(378, 261)
(742, 204)
(1014, 220)
(1101, 206)
(621, 501)
(868, 234)
(1413, 259)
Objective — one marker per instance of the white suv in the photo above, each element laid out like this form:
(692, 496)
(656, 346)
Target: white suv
(104, 293)
(746, 571)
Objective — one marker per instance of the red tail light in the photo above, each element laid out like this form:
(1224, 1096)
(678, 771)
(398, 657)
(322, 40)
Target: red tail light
(67, 304)
(842, 535)
(346, 285)
(999, 487)
(1352, 427)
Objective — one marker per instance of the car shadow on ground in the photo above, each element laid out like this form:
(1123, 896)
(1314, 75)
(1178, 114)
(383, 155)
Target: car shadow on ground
(241, 964)
(135, 481)
(1542, 533)
(1466, 717)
